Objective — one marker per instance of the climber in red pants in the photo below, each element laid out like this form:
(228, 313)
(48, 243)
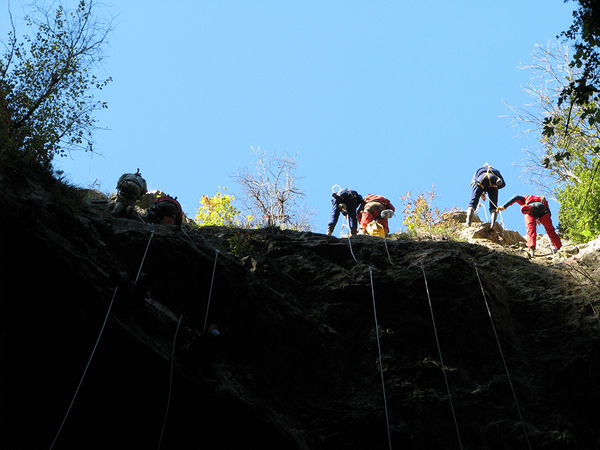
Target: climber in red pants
(536, 210)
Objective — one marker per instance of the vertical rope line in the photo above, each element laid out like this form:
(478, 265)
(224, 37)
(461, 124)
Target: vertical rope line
(144, 257)
(164, 424)
(95, 347)
(502, 356)
(437, 341)
(500, 212)
(211, 288)
(387, 420)
(349, 239)
(387, 251)
(86, 369)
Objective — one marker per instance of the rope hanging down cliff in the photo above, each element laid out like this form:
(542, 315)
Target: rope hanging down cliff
(164, 424)
(387, 419)
(96, 345)
(437, 341)
(502, 355)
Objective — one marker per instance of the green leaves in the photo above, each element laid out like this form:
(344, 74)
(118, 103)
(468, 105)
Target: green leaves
(48, 83)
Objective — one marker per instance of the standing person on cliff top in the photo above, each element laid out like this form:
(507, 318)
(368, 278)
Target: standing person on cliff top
(486, 180)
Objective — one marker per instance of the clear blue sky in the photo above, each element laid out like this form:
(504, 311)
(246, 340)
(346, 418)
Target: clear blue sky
(384, 97)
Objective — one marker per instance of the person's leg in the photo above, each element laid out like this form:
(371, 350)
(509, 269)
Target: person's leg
(530, 226)
(493, 196)
(474, 199)
(546, 221)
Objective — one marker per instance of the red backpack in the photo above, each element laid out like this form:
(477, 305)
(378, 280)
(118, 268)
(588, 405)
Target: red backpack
(377, 198)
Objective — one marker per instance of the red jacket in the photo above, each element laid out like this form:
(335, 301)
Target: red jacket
(528, 199)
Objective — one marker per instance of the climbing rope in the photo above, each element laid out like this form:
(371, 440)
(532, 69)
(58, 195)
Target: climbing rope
(385, 405)
(164, 424)
(499, 212)
(347, 224)
(96, 346)
(485, 210)
(173, 351)
(210, 291)
(437, 341)
(387, 420)
(502, 355)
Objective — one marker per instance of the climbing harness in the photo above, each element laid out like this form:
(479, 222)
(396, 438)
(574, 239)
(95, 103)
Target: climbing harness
(502, 355)
(164, 424)
(96, 346)
(437, 341)
(488, 174)
(387, 420)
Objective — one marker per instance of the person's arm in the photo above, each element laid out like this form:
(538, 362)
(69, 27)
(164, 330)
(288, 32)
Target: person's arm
(516, 199)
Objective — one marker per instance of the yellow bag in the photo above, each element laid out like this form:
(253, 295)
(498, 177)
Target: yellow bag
(374, 228)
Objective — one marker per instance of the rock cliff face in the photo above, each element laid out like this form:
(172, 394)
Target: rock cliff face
(296, 365)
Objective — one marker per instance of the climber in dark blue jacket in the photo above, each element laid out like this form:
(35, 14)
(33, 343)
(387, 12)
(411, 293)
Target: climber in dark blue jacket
(347, 202)
(488, 180)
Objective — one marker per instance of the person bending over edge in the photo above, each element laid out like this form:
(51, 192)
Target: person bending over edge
(536, 210)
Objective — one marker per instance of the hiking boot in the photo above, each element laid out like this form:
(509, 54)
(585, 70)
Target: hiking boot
(531, 252)
(469, 216)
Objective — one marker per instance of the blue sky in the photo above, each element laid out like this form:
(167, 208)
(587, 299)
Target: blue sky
(384, 97)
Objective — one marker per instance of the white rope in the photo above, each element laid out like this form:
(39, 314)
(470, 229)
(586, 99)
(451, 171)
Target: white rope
(502, 356)
(173, 351)
(164, 424)
(85, 370)
(349, 238)
(437, 341)
(95, 347)
(210, 291)
(500, 212)
(387, 251)
(387, 420)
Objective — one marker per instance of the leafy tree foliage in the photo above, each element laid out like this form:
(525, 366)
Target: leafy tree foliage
(421, 216)
(579, 214)
(219, 210)
(47, 83)
(566, 164)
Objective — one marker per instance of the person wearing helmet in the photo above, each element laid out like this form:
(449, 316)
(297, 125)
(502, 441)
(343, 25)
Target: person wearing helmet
(130, 187)
(486, 180)
(375, 207)
(345, 201)
(536, 210)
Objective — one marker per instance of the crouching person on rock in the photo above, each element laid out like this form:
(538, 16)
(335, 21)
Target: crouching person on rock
(536, 210)
(486, 180)
(166, 210)
(346, 202)
(130, 187)
(375, 208)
